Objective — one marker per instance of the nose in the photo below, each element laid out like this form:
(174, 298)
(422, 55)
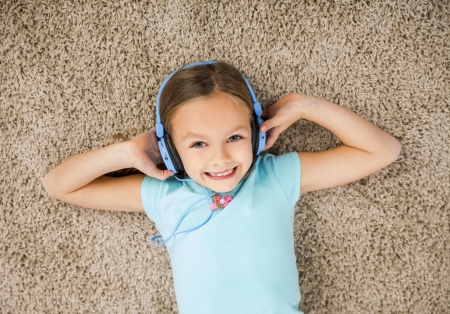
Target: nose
(220, 155)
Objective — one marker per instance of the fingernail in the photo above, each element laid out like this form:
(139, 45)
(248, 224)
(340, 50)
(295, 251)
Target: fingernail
(263, 128)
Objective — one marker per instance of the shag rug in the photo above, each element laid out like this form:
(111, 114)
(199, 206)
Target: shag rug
(80, 75)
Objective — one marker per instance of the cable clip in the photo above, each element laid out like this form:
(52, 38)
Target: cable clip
(220, 202)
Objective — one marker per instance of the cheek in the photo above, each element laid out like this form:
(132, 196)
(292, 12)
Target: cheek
(245, 148)
(243, 153)
(192, 161)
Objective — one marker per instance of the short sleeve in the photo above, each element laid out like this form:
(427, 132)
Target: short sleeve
(287, 170)
(150, 193)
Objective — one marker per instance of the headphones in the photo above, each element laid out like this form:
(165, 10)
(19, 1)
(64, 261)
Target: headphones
(167, 149)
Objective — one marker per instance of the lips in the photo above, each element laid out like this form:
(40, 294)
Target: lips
(222, 175)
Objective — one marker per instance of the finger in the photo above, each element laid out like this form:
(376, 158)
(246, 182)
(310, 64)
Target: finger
(264, 113)
(271, 138)
(269, 143)
(267, 125)
(264, 127)
(160, 174)
(167, 174)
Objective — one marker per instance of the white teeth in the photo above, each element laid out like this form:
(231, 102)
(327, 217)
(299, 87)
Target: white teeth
(221, 174)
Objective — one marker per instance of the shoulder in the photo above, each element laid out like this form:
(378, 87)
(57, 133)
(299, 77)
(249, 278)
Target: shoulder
(157, 186)
(283, 171)
(157, 193)
(278, 163)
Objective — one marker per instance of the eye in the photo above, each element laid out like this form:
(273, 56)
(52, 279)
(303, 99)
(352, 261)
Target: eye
(198, 145)
(235, 138)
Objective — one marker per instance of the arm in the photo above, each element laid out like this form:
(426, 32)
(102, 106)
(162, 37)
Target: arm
(80, 179)
(366, 149)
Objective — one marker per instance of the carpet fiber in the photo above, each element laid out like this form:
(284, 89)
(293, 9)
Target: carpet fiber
(76, 77)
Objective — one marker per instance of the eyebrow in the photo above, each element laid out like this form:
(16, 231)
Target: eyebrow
(196, 135)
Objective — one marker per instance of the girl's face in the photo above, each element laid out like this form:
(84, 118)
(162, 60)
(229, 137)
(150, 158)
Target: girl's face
(213, 138)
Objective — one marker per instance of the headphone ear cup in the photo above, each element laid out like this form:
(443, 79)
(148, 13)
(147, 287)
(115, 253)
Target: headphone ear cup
(173, 154)
(255, 134)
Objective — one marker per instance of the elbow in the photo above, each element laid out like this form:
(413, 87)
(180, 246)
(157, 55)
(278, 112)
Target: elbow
(390, 153)
(45, 184)
(393, 151)
(48, 187)
(397, 149)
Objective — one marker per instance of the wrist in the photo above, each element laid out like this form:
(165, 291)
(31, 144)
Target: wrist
(303, 104)
(112, 157)
(125, 153)
(306, 104)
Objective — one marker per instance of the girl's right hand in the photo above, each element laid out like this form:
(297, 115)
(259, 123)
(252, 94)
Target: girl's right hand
(144, 154)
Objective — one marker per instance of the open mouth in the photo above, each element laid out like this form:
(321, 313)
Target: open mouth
(222, 175)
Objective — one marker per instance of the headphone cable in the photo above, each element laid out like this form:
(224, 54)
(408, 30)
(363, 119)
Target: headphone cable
(181, 219)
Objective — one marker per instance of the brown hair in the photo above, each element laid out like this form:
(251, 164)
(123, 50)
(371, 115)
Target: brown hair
(202, 81)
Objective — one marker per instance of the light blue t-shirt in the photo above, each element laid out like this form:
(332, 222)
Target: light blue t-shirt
(242, 260)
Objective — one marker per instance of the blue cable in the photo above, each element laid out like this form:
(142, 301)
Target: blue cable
(152, 240)
(181, 219)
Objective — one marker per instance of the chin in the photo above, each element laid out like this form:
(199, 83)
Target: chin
(222, 188)
(219, 186)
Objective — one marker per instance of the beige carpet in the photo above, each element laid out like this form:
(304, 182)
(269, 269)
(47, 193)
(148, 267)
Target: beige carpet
(74, 76)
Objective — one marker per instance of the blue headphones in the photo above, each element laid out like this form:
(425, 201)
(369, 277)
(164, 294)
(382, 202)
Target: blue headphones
(166, 147)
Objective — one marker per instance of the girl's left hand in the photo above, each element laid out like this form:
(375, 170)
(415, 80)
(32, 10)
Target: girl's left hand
(280, 116)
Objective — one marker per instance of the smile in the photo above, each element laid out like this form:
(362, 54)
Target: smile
(222, 175)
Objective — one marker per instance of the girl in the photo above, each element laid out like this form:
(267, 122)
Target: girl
(226, 216)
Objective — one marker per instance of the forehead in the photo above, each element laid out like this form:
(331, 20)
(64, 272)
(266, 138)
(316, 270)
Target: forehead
(210, 116)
